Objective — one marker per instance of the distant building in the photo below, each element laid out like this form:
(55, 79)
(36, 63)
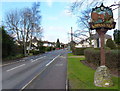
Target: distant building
(83, 43)
(95, 41)
(34, 44)
(48, 44)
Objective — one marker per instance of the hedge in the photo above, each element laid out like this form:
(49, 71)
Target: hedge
(78, 51)
(112, 59)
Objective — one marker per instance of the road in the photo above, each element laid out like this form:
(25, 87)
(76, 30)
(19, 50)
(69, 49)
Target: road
(46, 71)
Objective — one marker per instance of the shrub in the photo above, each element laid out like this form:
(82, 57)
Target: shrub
(48, 48)
(53, 48)
(118, 47)
(17, 56)
(34, 52)
(93, 56)
(110, 43)
(42, 49)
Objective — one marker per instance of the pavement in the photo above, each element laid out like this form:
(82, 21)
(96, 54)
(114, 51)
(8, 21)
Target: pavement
(46, 71)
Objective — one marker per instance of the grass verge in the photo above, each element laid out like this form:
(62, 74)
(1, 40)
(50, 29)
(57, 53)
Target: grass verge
(81, 76)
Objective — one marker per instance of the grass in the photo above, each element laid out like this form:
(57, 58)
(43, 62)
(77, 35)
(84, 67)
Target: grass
(82, 77)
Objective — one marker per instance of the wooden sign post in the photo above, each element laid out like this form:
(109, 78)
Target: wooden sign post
(102, 21)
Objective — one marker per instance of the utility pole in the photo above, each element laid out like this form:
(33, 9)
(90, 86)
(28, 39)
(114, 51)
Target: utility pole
(71, 34)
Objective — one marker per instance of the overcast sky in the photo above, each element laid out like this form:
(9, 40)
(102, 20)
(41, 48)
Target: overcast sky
(56, 21)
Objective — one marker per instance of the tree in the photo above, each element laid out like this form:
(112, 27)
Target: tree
(58, 44)
(82, 10)
(8, 44)
(25, 24)
(12, 21)
(36, 29)
(116, 35)
(110, 43)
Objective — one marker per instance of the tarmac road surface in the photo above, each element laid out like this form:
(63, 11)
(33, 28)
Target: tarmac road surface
(46, 71)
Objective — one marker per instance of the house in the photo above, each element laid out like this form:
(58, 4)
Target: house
(83, 43)
(48, 44)
(34, 44)
(95, 41)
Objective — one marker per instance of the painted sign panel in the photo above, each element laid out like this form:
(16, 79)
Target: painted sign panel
(102, 17)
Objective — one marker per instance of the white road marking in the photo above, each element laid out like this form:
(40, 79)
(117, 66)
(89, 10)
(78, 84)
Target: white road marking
(31, 80)
(11, 63)
(52, 60)
(15, 67)
(36, 75)
(23, 60)
(38, 59)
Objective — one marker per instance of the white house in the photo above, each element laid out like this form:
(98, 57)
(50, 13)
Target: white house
(95, 41)
(48, 44)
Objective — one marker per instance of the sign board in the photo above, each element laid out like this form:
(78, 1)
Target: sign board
(102, 17)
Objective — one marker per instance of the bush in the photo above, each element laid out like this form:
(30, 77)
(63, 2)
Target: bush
(19, 49)
(34, 52)
(53, 48)
(78, 51)
(110, 43)
(48, 48)
(118, 47)
(93, 56)
(13, 57)
(42, 49)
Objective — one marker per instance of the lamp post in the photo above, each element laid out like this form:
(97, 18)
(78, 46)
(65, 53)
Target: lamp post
(102, 21)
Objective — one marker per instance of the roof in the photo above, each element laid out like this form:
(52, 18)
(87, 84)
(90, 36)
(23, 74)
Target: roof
(35, 40)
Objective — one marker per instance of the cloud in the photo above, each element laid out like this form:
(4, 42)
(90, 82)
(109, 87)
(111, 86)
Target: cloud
(50, 2)
(52, 33)
(67, 12)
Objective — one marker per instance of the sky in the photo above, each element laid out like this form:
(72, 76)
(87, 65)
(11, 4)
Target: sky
(56, 21)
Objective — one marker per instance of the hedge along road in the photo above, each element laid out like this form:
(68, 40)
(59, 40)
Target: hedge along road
(49, 70)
